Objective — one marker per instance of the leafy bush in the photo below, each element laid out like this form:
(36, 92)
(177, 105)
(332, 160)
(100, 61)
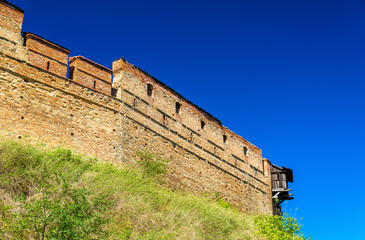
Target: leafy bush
(49, 205)
(64, 213)
(278, 227)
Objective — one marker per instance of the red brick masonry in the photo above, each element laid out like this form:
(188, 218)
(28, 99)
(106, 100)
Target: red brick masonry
(39, 103)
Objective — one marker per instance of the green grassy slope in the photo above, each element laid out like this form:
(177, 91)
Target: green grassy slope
(55, 194)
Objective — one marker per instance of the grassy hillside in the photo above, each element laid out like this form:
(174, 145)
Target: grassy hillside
(55, 194)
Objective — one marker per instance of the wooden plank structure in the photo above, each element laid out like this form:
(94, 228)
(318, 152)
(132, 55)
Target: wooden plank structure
(280, 176)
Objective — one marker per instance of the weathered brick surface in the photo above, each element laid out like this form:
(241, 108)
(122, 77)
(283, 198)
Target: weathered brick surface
(46, 55)
(11, 19)
(45, 47)
(90, 74)
(42, 105)
(91, 67)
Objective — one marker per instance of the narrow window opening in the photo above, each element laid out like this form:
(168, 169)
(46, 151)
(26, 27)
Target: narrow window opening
(94, 84)
(48, 64)
(149, 89)
(202, 124)
(114, 92)
(178, 107)
(164, 120)
(224, 138)
(71, 72)
(245, 150)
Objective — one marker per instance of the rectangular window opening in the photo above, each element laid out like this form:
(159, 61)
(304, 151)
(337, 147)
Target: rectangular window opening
(178, 107)
(202, 125)
(245, 150)
(149, 89)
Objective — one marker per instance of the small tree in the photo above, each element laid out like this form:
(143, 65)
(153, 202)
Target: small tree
(57, 209)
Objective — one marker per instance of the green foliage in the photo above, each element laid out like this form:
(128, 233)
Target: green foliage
(65, 214)
(59, 195)
(279, 227)
(50, 206)
(221, 202)
(153, 166)
(5, 219)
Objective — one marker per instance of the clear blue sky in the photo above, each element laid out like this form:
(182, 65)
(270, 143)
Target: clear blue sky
(286, 75)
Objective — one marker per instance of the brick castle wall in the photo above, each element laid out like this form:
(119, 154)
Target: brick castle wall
(202, 159)
(40, 104)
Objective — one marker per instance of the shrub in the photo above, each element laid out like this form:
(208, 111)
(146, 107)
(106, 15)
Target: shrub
(63, 213)
(278, 227)
(49, 205)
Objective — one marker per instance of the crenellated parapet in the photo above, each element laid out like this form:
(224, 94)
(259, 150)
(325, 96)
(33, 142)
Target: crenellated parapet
(90, 74)
(46, 55)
